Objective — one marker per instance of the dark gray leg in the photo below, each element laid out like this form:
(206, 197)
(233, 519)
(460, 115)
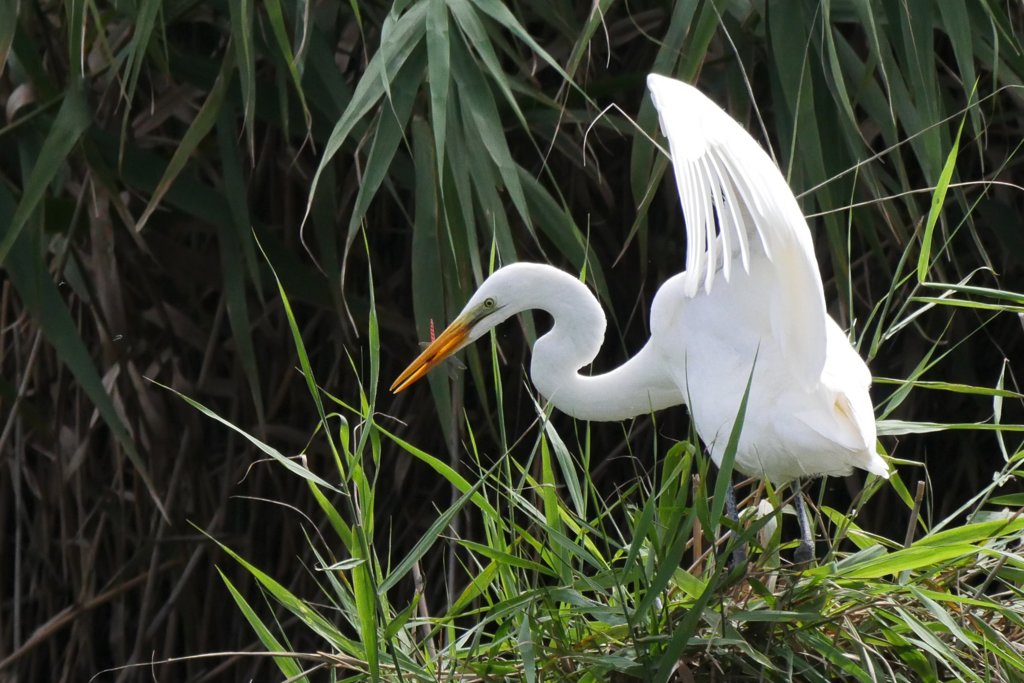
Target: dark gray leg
(739, 555)
(805, 551)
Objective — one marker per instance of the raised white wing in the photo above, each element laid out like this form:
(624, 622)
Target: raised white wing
(737, 205)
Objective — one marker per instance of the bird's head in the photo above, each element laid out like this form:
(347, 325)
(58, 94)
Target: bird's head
(499, 297)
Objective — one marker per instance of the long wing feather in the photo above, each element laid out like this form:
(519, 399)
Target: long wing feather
(737, 205)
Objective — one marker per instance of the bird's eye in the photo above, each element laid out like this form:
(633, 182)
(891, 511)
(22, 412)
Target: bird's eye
(488, 303)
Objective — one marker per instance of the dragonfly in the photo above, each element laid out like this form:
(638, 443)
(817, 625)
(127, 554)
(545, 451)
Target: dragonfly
(452, 365)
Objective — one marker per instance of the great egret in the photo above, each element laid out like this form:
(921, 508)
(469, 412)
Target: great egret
(750, 299)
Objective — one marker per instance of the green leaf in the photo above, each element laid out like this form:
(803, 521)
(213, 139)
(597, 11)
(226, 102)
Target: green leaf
(236, 250)
(396, 47)
(334, 517)
(938, 199)
(483, 124)
(389, 132)
(438, 70)
(943, 617)
(428, 539)
(506, 558)
(581, 46)
(242, 40)
(306, 614)
(196, 133)
(988, 292)
(288, 463)
(427, 281)
(401, 619)
(906, 559)
(566, 466)
(951, 387)
(979, 532)
(145, 15)
(72, 120)
(900, 427)
(724, 479)
(288, 666)
(500, 12)
(527, 649)
(277, 25)
(442, 468)
(774, 616)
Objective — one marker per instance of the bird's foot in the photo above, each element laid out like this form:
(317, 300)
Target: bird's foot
(804, 553)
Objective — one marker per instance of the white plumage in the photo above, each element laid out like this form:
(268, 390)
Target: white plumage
(750, 298)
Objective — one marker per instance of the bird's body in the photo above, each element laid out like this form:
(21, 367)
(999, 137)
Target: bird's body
(791, 429)
(749, 301)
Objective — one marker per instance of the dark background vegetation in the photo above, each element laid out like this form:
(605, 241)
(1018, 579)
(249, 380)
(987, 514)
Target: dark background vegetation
(147, 145)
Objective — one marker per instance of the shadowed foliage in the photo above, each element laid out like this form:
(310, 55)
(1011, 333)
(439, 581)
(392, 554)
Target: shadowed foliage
(385, 157)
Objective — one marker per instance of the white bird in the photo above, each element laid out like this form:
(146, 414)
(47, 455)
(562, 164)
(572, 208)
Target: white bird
(749, 299)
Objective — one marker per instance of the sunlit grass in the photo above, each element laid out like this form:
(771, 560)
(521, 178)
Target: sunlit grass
(566, 583)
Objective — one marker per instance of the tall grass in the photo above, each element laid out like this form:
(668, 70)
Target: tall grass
(386, 156)
(568, 583)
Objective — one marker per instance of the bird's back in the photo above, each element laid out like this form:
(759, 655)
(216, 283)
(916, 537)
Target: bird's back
(791, 428)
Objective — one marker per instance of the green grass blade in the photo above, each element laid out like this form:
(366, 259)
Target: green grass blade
(288, 666)
(196, 133)
(724, 478)
(978, 532)
(450, 475)
(288, 463)
(988, 292)
(906, 559)
(145, 15)
(395, 50)
(236, 250)
(427, 281)
(389, 132)
(507, 558)
(527, 648)
(483, 124)
(901, 427)
(570, 478)
(72, 120)
(439, 79)
(309, 616)
(501, 13)
(280, 31)
(938, 200)
(333, 516)
(428, 539)
(245, 58)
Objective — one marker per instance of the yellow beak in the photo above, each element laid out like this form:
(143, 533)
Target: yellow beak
(450, 341)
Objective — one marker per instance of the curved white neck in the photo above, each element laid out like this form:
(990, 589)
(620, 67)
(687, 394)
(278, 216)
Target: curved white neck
(638, 386)
(627, 391)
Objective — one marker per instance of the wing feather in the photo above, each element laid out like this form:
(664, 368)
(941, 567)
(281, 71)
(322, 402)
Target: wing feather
(737, 205)
(725, 218)
(739, 217)
(707, 197)
(688, 193)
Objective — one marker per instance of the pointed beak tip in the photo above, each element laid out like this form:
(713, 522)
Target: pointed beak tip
(406, 379)
(450, 341)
